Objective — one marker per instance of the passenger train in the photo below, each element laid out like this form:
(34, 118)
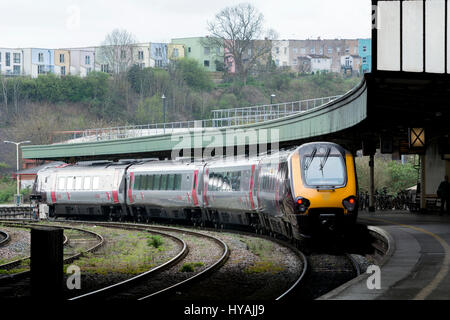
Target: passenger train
(293, 192)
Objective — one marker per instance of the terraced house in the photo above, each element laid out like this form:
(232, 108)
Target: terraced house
(38, 61)
(209, 56)
(11, 61)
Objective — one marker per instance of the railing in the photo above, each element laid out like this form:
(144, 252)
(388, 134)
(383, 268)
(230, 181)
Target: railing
(220, 118)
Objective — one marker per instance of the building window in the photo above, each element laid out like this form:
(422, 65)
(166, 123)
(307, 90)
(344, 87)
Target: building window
(218, 51)
(285, 50)
(40, 57)
(206, 63)
(8, 59)
(277, 50)
(104, 68)
(295, 62)
(206, 50)
(364, 48)
(313, 50)
(88, 70)
(175, 53)
(61, 58)
(295, 50)
(16, 69)
(330, 50)
(87, 60)
(303, 50)
(41, 69)
(347, 49)
(63, 70)
(364, 60)
(189, 49)
(338, 49)
(321, 50)
(16, 57)
(123, 54)
(249, 52)
(141, 55)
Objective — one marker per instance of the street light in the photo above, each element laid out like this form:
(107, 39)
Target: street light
(164, 111)
(271, 98)
(17, 175)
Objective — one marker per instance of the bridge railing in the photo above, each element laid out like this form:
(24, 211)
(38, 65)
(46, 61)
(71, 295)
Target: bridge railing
(220, 118)
(272, 110)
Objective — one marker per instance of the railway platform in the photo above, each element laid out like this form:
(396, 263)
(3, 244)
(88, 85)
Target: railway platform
(416, 266)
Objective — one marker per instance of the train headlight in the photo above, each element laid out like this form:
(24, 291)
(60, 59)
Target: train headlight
(302, 204)
(350, 203)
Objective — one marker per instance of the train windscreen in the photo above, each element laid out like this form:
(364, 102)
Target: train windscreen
(323, 166)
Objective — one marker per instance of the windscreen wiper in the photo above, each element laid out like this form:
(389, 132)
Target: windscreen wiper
(313, 154)
(324, 160)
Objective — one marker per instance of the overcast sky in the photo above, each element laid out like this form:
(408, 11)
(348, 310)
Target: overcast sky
(72, 23)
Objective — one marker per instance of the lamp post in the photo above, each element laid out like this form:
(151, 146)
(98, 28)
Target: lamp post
(164, 111)
(17, 175)
(271, 98)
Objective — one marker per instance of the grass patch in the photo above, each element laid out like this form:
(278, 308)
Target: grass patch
(155, 241)
(264, 267)
(190, 266)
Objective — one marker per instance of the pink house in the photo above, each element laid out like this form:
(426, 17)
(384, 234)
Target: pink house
(229, 59)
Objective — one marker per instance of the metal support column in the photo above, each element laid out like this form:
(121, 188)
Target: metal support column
(372, 183)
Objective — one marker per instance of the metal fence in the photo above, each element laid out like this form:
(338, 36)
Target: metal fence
(220, 118)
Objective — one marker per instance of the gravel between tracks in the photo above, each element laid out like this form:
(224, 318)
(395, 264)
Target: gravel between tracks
(258, 269)
(18, 247)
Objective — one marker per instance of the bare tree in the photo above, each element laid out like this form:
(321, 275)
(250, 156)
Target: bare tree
(4, 88)
(240, 30)
(117, 51)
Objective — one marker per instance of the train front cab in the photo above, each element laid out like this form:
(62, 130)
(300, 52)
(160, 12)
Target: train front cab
(324, 188)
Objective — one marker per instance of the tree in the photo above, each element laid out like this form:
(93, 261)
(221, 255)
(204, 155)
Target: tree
(117, 51)
(239, 30)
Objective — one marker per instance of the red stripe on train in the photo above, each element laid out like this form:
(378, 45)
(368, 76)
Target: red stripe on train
(251, 187)
(130, 195)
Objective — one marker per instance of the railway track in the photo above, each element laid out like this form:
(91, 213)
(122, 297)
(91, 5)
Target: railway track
(317, 277)
(4, 238)
(137, 287)
(68, 257)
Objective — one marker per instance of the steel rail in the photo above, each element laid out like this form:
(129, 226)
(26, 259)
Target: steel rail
(70, 259)
(129, 282)
(5, 236)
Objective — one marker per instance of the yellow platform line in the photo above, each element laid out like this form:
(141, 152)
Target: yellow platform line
(425, 292)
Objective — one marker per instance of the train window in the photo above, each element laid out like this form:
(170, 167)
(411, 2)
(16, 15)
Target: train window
(170, 182)
(226, 181)
(178, 182)
(156, 180)
(236, 181)
(96, 183)
(78, 183)
(321, 171)
(137, 182)
(87, 183)
(70, 183)
(61, 183)
(149, 182)
(163, 183)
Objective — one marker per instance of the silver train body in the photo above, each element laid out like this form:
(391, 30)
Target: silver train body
(250, 192)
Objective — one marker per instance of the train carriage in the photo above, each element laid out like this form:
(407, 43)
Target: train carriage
(167, 189)
(83, 190)
(229, 191)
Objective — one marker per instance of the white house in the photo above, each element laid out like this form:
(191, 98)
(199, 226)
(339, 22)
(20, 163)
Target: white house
(11, 61)
(320, 63)
(280, 53)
